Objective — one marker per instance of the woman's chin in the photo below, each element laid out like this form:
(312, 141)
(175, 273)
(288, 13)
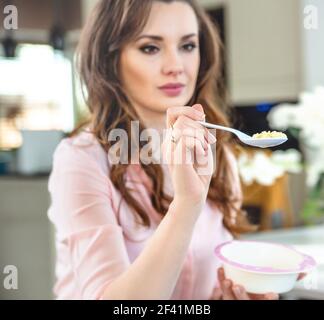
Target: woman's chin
(168, 102)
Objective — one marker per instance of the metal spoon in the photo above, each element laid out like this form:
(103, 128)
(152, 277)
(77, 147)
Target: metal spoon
(255, 142)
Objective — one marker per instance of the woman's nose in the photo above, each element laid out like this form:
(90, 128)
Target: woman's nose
(172, 63)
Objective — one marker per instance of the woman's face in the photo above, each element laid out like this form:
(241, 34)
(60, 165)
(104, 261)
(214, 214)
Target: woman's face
(159, 69)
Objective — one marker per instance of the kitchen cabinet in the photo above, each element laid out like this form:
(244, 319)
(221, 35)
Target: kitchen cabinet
(263, 43)
(26, 237)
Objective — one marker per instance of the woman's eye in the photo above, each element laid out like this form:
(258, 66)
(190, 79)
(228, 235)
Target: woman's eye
(153, 49)
(149, 49)
(189, 47)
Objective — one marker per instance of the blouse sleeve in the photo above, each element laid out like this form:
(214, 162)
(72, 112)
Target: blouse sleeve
(85, 222)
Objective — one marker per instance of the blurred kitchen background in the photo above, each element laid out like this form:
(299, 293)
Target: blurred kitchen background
(275, 75)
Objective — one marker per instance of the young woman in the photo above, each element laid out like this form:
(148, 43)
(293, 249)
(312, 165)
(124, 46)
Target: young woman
(147, 230)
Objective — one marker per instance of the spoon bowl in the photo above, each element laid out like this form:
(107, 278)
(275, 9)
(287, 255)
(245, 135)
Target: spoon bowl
(245, 138)
(264, 142)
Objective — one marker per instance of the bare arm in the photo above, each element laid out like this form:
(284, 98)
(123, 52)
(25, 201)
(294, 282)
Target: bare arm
(154, 273)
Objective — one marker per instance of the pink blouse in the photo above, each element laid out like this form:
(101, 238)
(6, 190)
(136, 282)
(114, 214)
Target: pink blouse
(96, 242)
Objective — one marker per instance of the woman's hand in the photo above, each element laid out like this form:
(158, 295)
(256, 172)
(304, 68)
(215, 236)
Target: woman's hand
(187, 147)
(229, 291)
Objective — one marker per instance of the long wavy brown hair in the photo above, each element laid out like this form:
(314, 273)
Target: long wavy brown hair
(113, 24)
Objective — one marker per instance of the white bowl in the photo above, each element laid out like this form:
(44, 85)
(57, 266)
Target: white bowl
(262, 267)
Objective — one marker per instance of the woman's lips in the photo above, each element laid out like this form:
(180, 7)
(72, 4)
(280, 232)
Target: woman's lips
(172, 91)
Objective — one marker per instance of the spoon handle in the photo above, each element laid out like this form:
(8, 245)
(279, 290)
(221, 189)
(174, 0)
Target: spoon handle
(215, 126)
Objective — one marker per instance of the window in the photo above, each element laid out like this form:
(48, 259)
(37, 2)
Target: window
(39, 83)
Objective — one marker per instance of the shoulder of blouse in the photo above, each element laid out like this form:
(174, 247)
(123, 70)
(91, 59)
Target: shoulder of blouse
(82, 150)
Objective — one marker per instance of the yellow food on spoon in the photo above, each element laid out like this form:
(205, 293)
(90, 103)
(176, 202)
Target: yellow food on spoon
(269, 134)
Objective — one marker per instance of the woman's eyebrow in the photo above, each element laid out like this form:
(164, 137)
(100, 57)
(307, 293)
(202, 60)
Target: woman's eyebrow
(159, 38)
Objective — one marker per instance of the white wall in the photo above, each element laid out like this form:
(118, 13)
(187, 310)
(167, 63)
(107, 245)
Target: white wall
(281, 23)
(264, 50)
(313, 47)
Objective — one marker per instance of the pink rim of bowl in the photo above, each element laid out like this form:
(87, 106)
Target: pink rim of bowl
(307, 263)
